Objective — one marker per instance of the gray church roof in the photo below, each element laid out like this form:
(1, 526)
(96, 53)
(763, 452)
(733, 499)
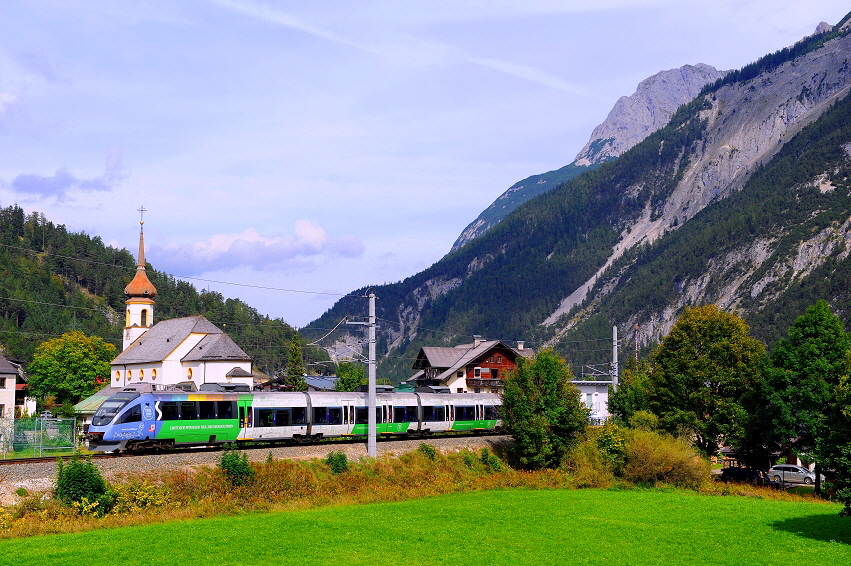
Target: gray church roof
(215, 347)
(157, 343)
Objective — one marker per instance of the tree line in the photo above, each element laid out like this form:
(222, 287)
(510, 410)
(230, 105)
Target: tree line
(711, 381)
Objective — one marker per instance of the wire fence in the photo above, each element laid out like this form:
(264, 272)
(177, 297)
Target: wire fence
(37, 437)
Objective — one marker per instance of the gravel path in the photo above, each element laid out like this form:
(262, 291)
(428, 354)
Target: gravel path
(40, 477)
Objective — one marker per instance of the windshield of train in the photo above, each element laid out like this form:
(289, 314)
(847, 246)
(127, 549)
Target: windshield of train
(107, 411)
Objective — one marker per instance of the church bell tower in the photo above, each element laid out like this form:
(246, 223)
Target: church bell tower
(140, 294)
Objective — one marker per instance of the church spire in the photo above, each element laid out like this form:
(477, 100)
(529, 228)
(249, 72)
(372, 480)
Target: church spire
(140, 286)
(140, 294)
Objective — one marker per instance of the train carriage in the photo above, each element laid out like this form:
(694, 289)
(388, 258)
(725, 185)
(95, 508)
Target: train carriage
(139, 418)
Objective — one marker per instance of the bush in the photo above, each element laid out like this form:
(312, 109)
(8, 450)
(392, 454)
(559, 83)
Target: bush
(612, 446)
(657, 457)
(644, 420)
(491, 460)
(587, 464)
(21, 492)
(427, 450)
(235, 465)
(80, 481)
(338, 461)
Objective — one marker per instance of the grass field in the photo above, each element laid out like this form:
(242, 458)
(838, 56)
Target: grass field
(481, 528)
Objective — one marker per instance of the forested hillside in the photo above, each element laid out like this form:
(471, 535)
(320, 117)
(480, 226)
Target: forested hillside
(53, 281)
(740, 201)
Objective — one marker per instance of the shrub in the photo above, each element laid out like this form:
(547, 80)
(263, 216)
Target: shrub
(427, 450)
(80, 480)
(491, 460)
(235, 465)
(21, 492)
(138, 496)
(612, 446)
(338, 461)
(644, 420)
(657, 457)
(586, 463)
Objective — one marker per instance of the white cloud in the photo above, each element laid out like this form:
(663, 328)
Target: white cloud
(308, 245)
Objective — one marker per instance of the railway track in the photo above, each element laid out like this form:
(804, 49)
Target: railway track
(251, 446)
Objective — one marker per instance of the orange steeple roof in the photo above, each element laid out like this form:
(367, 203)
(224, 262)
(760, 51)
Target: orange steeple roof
(140, 286)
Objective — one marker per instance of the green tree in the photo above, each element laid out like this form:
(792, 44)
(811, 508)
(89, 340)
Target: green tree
(70, 367)
(295, 366)
(632, 392)
(349, 377)
(807, 367)
(542, 409)
(833, 448)
(699, 374)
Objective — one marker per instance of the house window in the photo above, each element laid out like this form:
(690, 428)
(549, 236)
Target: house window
(2, 383)
(589, 400)
(494, 373)
(490, 359)
(2, 411)
(477, 390)
(499, 359)
(460, 373)
(460, 390)
(477, 372)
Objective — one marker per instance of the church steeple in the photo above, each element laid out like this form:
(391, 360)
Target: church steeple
(140, 294)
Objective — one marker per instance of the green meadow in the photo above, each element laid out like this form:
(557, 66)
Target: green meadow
(480, 528)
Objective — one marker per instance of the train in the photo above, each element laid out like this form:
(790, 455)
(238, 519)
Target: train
(141, 418)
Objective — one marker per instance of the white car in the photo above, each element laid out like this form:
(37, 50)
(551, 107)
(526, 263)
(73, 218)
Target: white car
(792, 474)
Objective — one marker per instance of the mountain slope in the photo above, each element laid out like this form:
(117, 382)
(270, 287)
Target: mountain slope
(562, 268)
(631, 120)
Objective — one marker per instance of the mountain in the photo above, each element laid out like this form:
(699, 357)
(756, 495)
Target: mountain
(741, 199)
(632, 119)
(53, 281)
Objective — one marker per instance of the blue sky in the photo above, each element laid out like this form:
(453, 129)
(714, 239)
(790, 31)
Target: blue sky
(325, 146)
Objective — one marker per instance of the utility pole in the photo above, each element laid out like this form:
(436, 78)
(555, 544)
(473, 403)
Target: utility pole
(615, 357)
(370, 416)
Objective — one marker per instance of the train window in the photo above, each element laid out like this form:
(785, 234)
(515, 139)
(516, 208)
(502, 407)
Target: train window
(335, 415)
(109, 408)
(360, 415)
(299, 415)
(188, 411)
(429, 414)
(207, 409)
(133, 415)
(491, 412)
(225, 409)
(320, 415)
(405, 414)
(283, 417)
(169, 412)
(399, 414)
(465, 413)
(265, 417)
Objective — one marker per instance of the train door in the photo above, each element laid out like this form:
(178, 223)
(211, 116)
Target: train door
(246, 419)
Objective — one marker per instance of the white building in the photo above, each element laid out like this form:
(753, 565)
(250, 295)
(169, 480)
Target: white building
(189, 349)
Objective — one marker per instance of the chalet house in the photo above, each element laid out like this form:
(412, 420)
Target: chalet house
(13, 391)
(468, 368)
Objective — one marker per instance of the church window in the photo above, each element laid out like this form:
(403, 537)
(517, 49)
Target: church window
(128, 318)
(154, 374)
(189, 373)
(117, 375)
(141, 374)
(129, 374)
(144, 317)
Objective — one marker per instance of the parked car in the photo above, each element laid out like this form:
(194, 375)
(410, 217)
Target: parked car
(792, 474)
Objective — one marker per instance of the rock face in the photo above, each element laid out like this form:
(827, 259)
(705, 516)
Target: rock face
(651, 106)
(632, 119)
(746, 124)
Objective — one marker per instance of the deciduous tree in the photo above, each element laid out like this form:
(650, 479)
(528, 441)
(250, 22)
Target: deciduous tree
(542, 409)
(349, 377)
(70, 367)
(699, 375)
(807, 367)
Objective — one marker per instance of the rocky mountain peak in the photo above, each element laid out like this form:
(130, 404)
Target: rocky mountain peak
(635, 117)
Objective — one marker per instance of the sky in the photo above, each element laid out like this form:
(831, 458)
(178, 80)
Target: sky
(288, 153)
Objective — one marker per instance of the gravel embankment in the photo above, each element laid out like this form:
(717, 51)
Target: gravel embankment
(40, 477)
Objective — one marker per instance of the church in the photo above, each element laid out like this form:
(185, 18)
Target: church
(188, 350)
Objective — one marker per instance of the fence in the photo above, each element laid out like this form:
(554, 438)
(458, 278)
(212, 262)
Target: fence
(37, 437)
